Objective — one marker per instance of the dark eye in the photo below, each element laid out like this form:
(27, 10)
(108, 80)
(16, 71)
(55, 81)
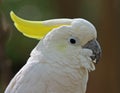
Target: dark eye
(74, 40)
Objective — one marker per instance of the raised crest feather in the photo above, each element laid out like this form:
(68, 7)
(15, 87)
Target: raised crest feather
(37, 29)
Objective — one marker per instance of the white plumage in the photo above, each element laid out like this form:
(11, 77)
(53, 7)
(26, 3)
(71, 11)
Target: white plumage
(56, 65)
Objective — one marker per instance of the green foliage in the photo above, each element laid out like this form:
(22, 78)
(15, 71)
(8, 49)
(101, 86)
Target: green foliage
(30, 9)
(19, 47)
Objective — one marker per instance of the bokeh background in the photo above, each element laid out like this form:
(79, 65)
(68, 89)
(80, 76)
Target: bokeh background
(104, 14)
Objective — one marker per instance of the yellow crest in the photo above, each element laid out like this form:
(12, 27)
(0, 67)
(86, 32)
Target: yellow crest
(37, 29)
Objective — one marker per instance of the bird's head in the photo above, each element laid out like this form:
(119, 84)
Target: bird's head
(76, 42)
(71, 41)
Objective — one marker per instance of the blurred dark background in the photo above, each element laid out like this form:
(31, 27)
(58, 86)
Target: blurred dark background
(104, 14)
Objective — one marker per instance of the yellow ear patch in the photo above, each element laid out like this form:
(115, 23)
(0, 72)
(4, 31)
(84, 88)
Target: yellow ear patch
(37, 29)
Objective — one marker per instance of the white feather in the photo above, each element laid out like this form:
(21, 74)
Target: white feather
(55, 66)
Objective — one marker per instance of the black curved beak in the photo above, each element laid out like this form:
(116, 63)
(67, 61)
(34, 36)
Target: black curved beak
(95, 47)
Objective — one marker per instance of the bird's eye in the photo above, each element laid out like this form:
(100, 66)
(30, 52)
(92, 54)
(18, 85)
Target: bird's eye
(73, 40)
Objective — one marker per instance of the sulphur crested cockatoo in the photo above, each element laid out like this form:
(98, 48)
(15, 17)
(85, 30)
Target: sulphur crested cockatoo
(62, 59)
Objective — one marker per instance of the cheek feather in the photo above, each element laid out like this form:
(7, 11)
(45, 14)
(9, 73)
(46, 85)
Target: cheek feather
(61, 48)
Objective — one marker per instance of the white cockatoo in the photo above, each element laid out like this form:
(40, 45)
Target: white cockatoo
(62, 59)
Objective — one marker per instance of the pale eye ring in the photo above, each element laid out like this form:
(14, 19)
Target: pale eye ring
(73, 40)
